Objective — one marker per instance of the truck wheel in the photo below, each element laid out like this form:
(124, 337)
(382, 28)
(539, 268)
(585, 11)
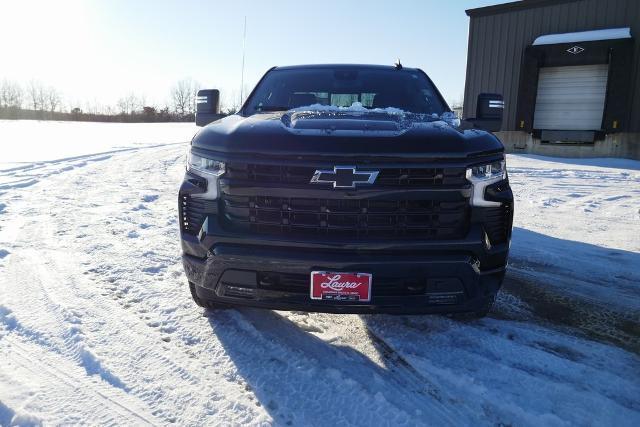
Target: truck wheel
(481, 312)
(203, 303)
(486, 308)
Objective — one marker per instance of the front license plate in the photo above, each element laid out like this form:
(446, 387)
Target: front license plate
(331, 286)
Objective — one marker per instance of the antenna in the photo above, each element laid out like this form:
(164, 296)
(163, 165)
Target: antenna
(244, 40)
(398, 64)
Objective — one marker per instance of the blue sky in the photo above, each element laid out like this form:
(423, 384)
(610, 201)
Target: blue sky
(102, 50)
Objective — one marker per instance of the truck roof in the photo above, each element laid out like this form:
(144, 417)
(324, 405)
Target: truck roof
(360, 66)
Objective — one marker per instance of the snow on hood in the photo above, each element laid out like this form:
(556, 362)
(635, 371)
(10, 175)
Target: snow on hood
(359, 119)
(356, 107)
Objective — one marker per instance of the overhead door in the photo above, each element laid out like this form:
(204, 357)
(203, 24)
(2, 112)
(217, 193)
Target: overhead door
(571, 98)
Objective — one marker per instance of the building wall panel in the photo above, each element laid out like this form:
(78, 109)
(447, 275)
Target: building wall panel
(497, 42)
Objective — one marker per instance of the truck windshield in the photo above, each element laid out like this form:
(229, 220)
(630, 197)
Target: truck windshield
(405, 89)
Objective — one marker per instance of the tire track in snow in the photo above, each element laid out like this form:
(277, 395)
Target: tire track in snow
(61, 384)
(487, 363)
(76, 304)
(29, 174)
(392, 379)
(104, 155)
(546, 305)
(59, 303)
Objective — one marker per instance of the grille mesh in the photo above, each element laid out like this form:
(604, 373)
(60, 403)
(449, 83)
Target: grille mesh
(344, 218)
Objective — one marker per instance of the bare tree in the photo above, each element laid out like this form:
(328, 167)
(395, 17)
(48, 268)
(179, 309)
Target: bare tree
(92, 107)
(183, 96)
(15, 96)
(130, 104)
(108, 110)
(10, 94)
(53, 99)
(180, 96)
(35, 94)
(123, 106)
(135, 102)
(231, 101)
(141, 102)
(4, 93)
(193, 105)
(43, 95)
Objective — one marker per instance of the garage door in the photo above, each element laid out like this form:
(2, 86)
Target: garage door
(571, 98)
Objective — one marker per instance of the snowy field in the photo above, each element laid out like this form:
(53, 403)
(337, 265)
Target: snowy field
(97, 325)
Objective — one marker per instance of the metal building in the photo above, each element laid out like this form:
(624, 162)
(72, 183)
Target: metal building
(569, 71)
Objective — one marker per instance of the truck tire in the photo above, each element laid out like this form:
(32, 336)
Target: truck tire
(480, 313)
(203, 303)
(485, 309)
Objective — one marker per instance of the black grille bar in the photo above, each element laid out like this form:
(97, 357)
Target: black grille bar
(391, 177)
(347, 218)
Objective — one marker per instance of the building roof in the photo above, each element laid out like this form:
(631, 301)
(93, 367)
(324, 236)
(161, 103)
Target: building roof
(513, 7)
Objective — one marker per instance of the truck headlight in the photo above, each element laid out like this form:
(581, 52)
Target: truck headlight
(494, 171)
(209, 169)
(483, 175)
(203, 165)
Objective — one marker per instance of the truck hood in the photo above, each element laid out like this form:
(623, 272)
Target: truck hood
(344, 134)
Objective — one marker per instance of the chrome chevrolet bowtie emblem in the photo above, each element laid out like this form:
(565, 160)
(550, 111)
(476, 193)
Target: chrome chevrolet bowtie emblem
(343, 177)
(575, 50)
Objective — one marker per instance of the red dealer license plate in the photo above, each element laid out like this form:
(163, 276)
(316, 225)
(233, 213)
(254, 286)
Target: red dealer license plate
(331, 286)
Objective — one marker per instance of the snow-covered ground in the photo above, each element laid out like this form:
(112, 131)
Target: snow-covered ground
(97, 327)
(577, 223)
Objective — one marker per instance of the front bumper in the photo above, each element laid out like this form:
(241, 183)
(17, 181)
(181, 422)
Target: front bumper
(433, 277)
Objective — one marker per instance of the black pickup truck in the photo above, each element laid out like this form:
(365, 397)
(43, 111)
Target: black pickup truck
(349, 189)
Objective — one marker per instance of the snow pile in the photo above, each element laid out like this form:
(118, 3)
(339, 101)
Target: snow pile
(584, 36)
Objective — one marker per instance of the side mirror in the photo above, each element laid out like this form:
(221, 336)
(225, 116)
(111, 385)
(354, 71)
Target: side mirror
(207, 106)
(488, 112)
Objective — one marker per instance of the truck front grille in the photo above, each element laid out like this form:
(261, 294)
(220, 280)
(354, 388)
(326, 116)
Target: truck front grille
(344, 218)
(390, 177)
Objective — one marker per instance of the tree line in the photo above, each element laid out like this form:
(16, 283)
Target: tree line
(37, 101)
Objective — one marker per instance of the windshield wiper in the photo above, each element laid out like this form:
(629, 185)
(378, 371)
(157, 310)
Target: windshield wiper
(272, 108)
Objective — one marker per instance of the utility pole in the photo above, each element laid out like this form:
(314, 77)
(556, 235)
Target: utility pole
(244, 41)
